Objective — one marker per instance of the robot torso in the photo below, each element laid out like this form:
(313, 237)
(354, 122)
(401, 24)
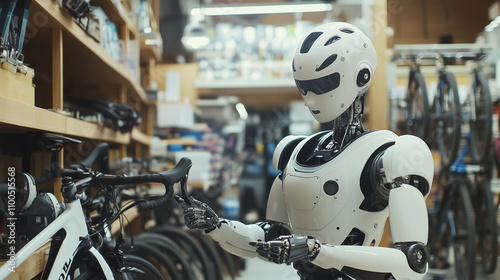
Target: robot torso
(328, 200)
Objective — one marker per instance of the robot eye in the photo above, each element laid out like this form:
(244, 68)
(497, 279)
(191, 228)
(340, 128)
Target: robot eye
(320, 85)
(329, 60)
(309, 41)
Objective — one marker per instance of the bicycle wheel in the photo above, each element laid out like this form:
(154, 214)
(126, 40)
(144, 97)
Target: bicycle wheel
(165, 265)
(463, 232)
(170, 249)
(194, 253)
(486, 226)
(417, 121)
(136, 268)
(448, 122)
(480, 119)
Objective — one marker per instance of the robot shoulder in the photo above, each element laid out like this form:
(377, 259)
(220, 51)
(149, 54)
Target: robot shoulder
(284, 151)
(411, 158)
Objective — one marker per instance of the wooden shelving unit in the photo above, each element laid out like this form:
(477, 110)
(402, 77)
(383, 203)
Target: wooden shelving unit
(67, 61)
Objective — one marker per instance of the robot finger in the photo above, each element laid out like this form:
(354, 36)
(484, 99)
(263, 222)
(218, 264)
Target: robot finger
(260, 245)
(182, 202)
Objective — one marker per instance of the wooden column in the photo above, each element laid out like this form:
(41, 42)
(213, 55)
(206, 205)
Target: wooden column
(378, 96)
(57, 68)
(57, 91)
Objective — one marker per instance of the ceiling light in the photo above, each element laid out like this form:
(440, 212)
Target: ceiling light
(261, 9)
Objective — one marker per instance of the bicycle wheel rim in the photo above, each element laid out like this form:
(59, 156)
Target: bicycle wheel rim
(136, 268)
(480, 125)
(486, 227)
(417, 121)
(448, 125)
(196, 252)
(463, 240)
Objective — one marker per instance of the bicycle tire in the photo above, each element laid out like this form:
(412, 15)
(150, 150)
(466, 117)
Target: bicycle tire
(447, 130)
(464, 237)
(136, 268)
(480, 126)
(195, 253)
(168, 247)
(161, 262)
(417, 120)
(486, 227)
(213, 256)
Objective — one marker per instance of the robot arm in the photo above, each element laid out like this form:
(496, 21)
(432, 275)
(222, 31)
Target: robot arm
(408, 260)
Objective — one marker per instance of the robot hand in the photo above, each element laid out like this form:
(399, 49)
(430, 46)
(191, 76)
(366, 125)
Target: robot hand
(288, 248)
(198, 215)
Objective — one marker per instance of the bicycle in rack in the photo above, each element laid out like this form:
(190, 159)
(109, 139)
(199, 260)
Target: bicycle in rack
(417, 120)
(72, 253)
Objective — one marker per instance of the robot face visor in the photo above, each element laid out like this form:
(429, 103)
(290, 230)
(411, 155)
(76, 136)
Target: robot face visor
(320, 85)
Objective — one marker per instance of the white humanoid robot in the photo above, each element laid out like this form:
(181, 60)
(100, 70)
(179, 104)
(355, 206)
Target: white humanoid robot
(327, 209)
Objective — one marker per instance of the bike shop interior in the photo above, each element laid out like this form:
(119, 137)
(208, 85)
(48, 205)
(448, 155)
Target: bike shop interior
(211, 80)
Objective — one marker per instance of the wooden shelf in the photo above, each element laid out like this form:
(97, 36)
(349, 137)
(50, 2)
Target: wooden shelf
(32, 267)
(15, 116)
(90, 64)
(185, 142)
(141, 137)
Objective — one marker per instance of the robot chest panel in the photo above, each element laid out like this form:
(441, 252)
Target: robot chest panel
(314, 199)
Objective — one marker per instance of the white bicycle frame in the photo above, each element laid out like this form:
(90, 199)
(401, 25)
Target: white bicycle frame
(72, 220)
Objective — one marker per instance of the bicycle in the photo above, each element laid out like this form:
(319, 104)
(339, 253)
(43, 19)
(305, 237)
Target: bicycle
(417, 120)
(466, 219)
(72, 253)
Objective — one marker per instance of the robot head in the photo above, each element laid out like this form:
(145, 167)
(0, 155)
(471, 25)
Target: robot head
(333, 64)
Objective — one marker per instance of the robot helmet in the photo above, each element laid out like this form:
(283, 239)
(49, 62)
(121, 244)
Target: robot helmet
(333, 64)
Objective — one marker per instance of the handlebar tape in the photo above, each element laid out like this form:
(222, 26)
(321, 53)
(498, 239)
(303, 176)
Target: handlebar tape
(168, 178)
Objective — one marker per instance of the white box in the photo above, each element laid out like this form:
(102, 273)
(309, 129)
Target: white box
(174, 115)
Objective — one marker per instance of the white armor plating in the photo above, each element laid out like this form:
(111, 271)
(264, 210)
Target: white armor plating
(331, 217)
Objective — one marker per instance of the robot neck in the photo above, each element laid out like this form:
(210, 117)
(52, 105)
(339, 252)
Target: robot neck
(346, 128)
(348, 125)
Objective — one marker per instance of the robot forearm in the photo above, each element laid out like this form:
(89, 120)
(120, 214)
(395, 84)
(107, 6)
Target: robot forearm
(365, 262)
(235, 237)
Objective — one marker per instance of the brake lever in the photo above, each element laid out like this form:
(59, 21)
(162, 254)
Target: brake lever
(184, 193)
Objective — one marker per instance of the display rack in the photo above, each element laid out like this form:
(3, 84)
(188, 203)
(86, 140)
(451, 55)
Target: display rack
(433, 51)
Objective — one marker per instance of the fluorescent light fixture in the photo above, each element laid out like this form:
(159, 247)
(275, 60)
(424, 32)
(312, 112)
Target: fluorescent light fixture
(261, 9)
(240, 108)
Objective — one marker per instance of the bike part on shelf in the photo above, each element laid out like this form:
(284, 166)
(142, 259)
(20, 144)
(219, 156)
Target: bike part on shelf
(448, 123)
(480, 120)
(13, 22)
(77, 8)
(124, 117)
(417, 121)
